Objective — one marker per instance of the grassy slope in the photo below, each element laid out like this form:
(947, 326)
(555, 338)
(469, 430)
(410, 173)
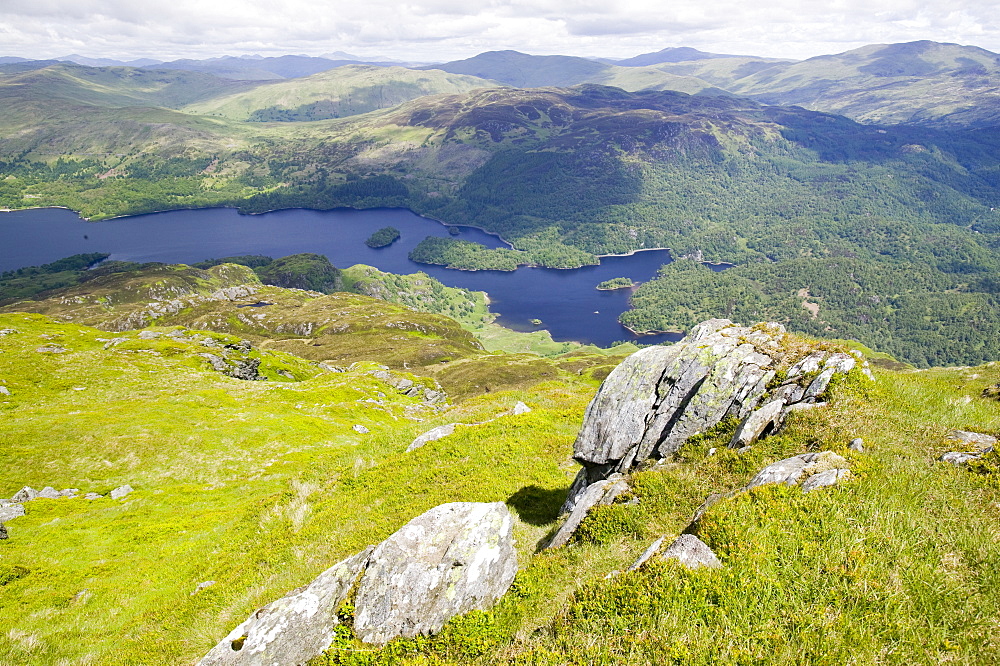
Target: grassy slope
(919, 82)
(261, 485)
(120, 86)
(530, 71)
(343, 91)
(653, 78)
(258, 486)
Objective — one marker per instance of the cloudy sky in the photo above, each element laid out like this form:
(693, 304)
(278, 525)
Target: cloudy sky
(439, 30)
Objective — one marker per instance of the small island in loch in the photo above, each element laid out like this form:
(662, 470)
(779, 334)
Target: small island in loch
(384, 237)
(616, 283)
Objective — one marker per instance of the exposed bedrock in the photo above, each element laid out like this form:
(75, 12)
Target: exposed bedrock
(660, 396)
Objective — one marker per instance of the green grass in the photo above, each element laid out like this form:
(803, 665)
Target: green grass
(259, 486)
(253, 484)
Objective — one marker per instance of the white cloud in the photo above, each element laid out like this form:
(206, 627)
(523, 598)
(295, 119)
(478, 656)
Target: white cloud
(447, 29)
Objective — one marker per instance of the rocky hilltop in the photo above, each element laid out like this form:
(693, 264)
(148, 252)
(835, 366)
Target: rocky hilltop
(659, 397)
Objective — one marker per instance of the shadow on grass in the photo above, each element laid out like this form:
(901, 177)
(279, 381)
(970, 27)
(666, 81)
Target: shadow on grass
(537, 506)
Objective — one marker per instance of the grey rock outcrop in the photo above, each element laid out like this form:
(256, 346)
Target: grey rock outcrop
(121, 491)
(3, 531)
(247, 369)
(24, 494)
(520, 408)
(646, 554)
(658, 397)
(4, 390)
(792, 470)
(959, 458)
(407, 387)
(692, 552)
(233, 360)
(10, 511)
(599, 492)
(857, 444)
(48, 492)
(759, 422)
(432, 435)
(976, 440)
(360, 429)
(295, 628)
(452, 559)
(983, 444)
(828, 478)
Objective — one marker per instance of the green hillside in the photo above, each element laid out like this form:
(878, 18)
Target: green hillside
(113, 86)
(249, 489)
(530, 71)
(728, 72)
(344, 91)
(924, 83)
(567, 174)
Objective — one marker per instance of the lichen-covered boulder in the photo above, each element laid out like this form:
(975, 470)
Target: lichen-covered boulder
(791, 471)
(10, 511)
(692, 552)
(978, 440)
(295, 628)
(452, 559)
(959, 458)
(830, 477)
(758, 423)
(25, 494)
(121, 491)
(658, 397)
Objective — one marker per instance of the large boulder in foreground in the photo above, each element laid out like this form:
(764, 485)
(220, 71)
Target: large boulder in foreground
(660, 396)
(452, 559)
(295, 628)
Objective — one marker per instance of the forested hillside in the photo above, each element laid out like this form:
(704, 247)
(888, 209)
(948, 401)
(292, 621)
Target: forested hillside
(567, 174)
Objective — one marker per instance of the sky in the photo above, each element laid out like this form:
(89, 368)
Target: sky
(442, 30)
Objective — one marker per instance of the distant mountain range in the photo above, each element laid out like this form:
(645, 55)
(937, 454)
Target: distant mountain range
(923, 82)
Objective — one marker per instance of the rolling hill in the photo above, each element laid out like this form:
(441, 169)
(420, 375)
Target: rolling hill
(343, 91)
(923, 83)
(260, 68)
(529, 71)
(670, 54)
